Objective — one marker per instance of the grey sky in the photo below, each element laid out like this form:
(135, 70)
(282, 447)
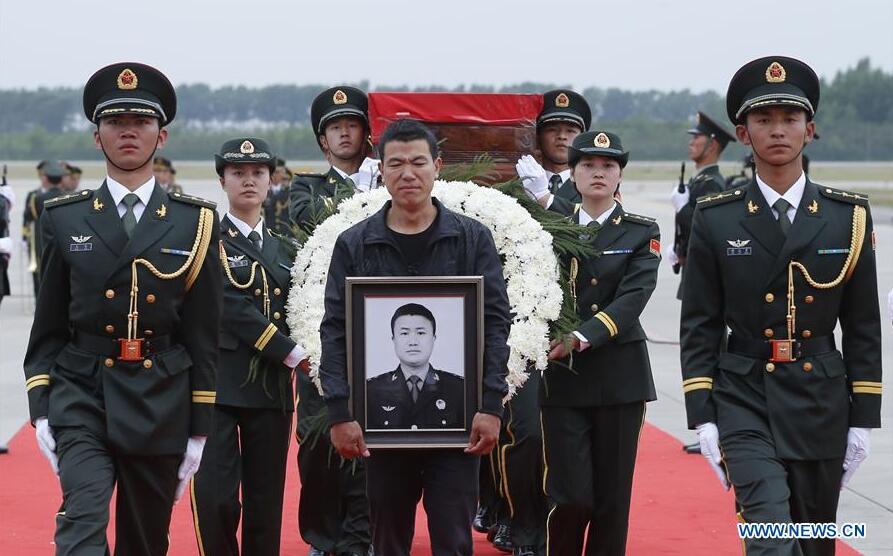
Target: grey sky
(633, 44)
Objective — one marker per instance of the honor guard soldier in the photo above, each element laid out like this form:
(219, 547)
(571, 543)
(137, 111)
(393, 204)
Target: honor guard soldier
(781, 262)
(340, 119)
(120, 367)
(333, 511)
(29, 223)
(593, 404)
(276, 203)
(708, 140)
(7, 197)
(248, 450)
(565, 115)
(164, 172)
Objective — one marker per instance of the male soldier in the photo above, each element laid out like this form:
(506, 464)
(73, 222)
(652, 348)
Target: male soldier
(436, 399)
(522, 514)
(255, 391)
(276, 203)
(75, 174)
(7, 196)
(565, 115)
(333, 511)
(121, 363)
(708, 140)
(164, 172)
(54, 172)
(29, 223)
(339, 116)
(781, 262)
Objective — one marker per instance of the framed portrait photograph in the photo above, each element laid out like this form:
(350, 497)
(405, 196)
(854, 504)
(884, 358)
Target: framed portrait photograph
(415, 358)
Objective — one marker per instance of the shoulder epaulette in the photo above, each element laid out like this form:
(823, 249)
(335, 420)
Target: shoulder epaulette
(68, 199)
(721, 198)
(191, 200)
(638, 219)
(845, 196)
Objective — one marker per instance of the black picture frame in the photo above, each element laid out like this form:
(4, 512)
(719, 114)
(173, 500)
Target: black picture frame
(416, 424)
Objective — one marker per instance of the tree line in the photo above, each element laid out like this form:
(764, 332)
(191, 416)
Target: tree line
(855, 118)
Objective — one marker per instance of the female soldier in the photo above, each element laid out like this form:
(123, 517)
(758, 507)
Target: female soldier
(593, 403)
(255, 399)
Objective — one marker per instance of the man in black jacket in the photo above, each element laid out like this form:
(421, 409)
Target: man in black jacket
(414, 234)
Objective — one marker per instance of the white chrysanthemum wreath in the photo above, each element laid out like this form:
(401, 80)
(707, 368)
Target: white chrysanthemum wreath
(530, 268)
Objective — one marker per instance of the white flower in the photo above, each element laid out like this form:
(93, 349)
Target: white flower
(530, 270)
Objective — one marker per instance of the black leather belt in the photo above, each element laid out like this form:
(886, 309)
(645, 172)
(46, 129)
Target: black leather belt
(762, 349)
(109, 347)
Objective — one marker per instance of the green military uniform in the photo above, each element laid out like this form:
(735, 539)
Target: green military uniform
(123, 350)
(248, 450)
(782, 417)
(276, 214)
(333, 510)
(706, 181)
(4, 233)
(593, 406)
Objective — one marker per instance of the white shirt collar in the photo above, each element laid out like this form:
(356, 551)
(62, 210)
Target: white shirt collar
(246, 228)
(118, 191)
(585, 218)
(793, 195)
(344, 175)
(564, 174)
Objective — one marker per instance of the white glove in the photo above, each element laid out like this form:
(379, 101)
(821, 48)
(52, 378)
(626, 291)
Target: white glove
(295, 356)
(858, 446)
(366, 177)
(679, 200)
(6, 245)
(191, 461)
(708, 438)
(672, 257)
(46, 442)
(9, 193)
(890, 303)
(533, 177)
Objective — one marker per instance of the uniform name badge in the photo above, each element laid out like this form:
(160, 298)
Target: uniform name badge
(130, 349)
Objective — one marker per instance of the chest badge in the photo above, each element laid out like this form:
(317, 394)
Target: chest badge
(389, 408)
(441, 405)
(237, 261)
(738, 248)
(80, 244)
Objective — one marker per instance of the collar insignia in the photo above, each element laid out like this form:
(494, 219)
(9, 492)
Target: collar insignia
(602, 141)
(162, 211)
(247, 147)
(97, 204)
(340, 97)
(752, 207)
(232, 233)
(776, 73)
(393, 377)
(562, 101)
(738, 242)
(617, 220)
(127, 80)
(80, 239)
(813, 207)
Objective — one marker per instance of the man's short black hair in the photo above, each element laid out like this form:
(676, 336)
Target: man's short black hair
(414, 309)
(406, 130)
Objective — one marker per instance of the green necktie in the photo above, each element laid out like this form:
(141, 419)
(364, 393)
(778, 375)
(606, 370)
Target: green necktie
(594, 225)
(254, 237)
(129, 218)
(555, 183)
(781, 207)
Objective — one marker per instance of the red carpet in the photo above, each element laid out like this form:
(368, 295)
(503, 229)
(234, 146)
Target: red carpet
(677, 508)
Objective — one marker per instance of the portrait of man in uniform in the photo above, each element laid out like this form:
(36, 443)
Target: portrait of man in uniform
(416, 394)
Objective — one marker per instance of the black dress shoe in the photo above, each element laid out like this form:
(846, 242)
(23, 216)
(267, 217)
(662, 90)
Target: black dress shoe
(502, 538)
(317, 552)
(483, 520)
(3, 449)
(524, 551)
(693, 448)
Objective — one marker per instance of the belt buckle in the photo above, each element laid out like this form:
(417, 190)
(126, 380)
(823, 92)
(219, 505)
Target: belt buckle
(784, 351)
(130, 349)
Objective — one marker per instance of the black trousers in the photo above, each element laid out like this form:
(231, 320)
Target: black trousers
(521, 458)
(248, 449)
(489, 482)
(88, 472)
(769, 489)
(333, 509)
(590, 457)
(446, 480)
